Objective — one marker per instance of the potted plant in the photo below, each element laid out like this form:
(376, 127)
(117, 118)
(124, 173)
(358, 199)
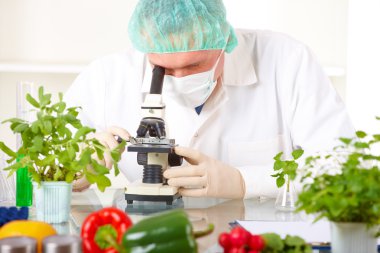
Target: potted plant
(56, 149)
(286, 172)
(343, 186)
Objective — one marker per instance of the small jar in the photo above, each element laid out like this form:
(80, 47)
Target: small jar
(62, 244)
(18, 244)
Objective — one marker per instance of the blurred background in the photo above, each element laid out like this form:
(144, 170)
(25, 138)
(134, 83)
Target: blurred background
(48, 42)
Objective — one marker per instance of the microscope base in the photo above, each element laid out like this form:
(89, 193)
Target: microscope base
(153, 198)
(138, 191)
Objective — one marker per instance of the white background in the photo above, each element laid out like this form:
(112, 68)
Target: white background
(38, 35)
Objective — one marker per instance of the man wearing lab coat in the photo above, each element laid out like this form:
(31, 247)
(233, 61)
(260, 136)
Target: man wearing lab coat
(234, 99)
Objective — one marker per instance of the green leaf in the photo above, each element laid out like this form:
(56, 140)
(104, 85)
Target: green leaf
(7, 150)
(278, 156)
(290, 167)
(83, 131)
(35, 176)
(91, 178)
(48, 126)
(58, 175)
(273, 241)
(116, 169)
(36, 127)
(100, 169)
(346, 141)
(280, 181)
(21, 128)
(116, 156)
(294, 241)
(361, 145)
(75, 146)
(71, 152)
(73, 111)
(70, 177)
(99, 152)
(41, 93)
(37, 144)
(63, 157)
(48, 160)
(59, 107)
(103, 182)
(361, 134)
(85, 158)
(278, 165)
(297, 153)
(32, 101)
(276, 175)
(14, 120)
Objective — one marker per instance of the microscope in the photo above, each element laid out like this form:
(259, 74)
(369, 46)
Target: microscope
(155, 152)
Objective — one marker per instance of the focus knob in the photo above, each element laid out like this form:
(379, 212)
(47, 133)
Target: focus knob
(175, 160)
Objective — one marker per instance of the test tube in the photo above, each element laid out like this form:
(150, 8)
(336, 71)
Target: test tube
(24, 187)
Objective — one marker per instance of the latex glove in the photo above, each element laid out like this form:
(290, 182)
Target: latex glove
(205, 177)
(108, 139)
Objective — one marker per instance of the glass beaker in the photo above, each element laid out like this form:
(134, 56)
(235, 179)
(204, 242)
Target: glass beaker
(287, 196)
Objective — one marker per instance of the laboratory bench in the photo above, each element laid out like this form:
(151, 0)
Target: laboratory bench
(202, 211)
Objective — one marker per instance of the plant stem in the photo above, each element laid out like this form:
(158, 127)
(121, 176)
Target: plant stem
(205, 232)
(287, 184)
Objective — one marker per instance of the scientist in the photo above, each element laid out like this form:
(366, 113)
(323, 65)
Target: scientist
(234, 99)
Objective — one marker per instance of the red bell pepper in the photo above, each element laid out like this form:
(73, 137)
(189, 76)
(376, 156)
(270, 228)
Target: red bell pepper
(112, 218)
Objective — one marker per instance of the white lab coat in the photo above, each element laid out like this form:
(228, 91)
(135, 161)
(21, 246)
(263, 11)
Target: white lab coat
(275, 97)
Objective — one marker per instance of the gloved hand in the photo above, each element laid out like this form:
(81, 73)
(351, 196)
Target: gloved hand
(108, 139)
(205, 177)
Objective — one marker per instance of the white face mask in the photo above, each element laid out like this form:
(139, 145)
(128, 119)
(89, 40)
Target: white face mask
(192, 90)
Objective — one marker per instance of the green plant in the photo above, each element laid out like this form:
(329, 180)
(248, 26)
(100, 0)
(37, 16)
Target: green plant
(343, 185)
(286, 168)
(52, 151)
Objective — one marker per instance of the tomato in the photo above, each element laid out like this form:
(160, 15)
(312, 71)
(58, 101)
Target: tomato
(256, 242)
(239, 237)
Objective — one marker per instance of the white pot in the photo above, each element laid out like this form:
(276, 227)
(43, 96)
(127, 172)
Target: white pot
(53, 201)
(352, 238)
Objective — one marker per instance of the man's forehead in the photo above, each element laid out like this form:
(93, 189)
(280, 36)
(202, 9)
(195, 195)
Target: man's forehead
(183, 59)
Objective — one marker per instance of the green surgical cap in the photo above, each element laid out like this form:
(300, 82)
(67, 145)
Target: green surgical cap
(172, 26)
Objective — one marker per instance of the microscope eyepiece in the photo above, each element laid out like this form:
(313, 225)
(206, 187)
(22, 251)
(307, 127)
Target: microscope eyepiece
(157, 80)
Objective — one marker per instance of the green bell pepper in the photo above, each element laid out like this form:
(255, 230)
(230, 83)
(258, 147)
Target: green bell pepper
(168, 232)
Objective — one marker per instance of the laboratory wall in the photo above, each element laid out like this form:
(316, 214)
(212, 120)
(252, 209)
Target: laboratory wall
(363, 64)
(48, 42)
